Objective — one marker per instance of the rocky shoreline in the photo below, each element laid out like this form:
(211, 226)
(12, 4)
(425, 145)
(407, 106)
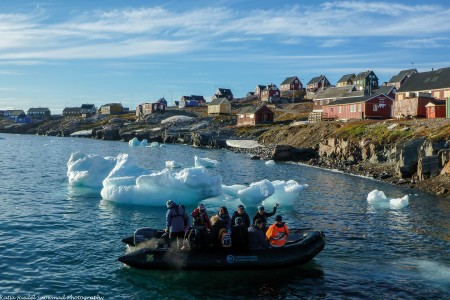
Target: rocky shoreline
(417, 162)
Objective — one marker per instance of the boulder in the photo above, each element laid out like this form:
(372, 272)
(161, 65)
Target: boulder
(408, 157)
(428, 166)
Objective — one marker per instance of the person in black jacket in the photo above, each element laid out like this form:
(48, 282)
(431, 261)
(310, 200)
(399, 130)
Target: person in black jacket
(213, 236)
(240, 212)
(239, 235)
(261, 214)
(257, 236)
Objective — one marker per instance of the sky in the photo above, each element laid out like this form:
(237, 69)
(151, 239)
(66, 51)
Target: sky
(60, 54)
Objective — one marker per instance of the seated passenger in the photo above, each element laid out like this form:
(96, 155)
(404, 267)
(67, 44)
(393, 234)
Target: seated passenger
(197, 236)
(240, 212)
(277, 233)
(224, 216)
(213, 237)
(239, 235)
(257, 236)
(200, 211)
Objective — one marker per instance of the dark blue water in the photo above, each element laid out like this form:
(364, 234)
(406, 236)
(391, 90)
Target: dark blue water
(54, 242)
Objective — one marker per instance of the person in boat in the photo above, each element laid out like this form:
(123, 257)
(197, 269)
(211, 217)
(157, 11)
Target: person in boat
(177, 222)
(224, 216)
(197, 236)
(257, 236)
(240, 212)
(263, 215)
(277, 233)
(200, 212)
(217, 226)
(239, 235)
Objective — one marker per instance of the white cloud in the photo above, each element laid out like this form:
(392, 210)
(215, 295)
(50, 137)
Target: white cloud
(427, 43)
(157, 30)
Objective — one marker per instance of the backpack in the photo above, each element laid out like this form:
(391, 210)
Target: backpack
(225, 237)
(184, 215)
(196, 237)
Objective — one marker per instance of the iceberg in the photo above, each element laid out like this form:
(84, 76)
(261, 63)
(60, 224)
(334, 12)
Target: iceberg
(205, 162)
(120, 180)
(378, 198)
(88, 170)
(134, 142)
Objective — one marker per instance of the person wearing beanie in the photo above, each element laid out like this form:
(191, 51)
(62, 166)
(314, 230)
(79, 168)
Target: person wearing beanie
(263, 215)
(200, 213)
(239, 235)
(277, 233)
(177, 222)
(240, 212)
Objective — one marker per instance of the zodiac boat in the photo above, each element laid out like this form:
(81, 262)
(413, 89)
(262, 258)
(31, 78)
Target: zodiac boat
(147, 252)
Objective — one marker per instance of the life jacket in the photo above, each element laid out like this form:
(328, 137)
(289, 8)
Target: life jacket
(225, 237)
(277, 235)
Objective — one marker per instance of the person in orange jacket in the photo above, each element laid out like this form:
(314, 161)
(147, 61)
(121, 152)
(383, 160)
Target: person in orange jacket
(277, 233)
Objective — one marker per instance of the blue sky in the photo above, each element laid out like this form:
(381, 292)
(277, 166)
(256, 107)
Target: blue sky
(66, 53)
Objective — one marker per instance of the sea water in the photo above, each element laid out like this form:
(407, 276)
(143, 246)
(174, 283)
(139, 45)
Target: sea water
(60, 241)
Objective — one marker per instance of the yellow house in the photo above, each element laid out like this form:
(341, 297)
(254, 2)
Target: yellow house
(111, 109)
(219, 106)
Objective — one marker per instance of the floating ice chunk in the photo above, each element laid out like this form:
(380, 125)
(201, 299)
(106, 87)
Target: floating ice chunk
(173, 164)
(154, 144)
(188, 186)
(88, 170)
(270, 163)
(134, 142)
(378, 198)
(205, 162)
(399, 202)
(256, 192)
(286, 192)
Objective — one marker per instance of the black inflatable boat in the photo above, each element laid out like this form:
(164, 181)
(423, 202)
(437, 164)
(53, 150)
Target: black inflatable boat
(148, 253)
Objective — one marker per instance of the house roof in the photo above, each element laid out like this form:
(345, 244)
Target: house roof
(219, 101)
(427, 81)
(38, 109)
(402, 74)
(14, 112)
(436, 103)
(315, 80)
(269, 86)
(161, 100)
(194, 97)
(364, 74)
(356, 99)
(251, 109)
(289, 80)
(224, 92)
(338, 92)
(111, 104)
(346, 78)
(72, 109)
(87, 106)
(385, 89)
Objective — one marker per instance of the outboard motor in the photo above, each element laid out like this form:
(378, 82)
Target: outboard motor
(143, 234)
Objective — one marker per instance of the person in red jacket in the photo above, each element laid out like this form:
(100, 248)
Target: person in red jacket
(277, 233)
(200, 213)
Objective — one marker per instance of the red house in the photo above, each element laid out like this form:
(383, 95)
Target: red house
(377, 106)
(435, 109)
(252, 115)
(271, 92)
(291, 84)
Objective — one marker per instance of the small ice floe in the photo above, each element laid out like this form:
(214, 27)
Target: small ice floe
(378, 198)
(205, 162)
(173, 164)
(270, 163)
(134, 142)
(154, 145)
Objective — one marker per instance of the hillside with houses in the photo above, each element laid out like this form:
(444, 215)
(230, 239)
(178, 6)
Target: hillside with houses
(398, 131)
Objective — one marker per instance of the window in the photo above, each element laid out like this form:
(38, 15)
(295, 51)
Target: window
(360, 107)
(340, 109)
(375, 107)
(353, 108)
